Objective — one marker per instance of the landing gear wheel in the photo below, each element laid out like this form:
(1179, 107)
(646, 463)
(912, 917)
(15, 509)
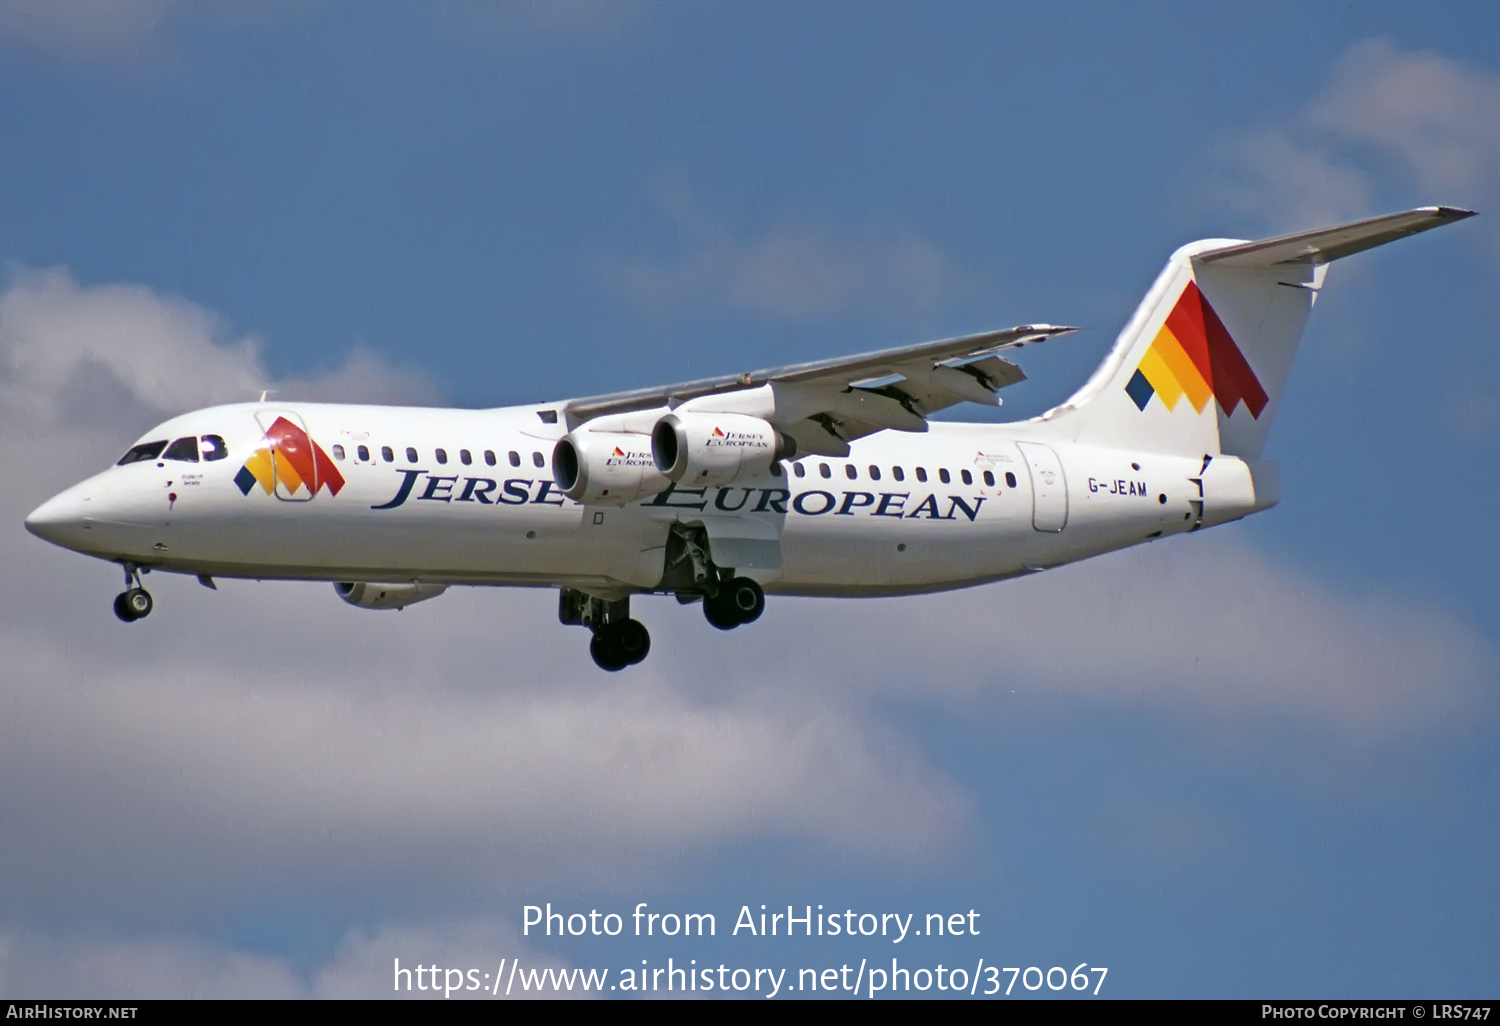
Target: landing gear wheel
(607, 655)
(739, 601)
(633, 640)
(745, 598)
(133, 604)
(719, 613)
(621, 644)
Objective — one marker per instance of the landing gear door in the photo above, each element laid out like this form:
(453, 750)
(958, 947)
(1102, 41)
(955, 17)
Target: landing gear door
(1049, 488)
(294, 463)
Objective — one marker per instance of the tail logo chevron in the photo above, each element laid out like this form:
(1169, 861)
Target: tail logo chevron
(292, 460)
(1193, 355)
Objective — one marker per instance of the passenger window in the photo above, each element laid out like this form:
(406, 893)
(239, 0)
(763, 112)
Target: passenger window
(338, 451)
(411, 455)
(515, 458)
(213, 448)
(441, 455)
(364, 454)
(776, 470)
(536, 458)
(386, 454)
(1010, 479)
(184, 450)
(464, 457)
(922, 474)
(800, 470)
(823, 470)
(968, 477)
(874, 472)
(898, 473)
(144, 451)
(943, 475)
(989, 478)
(489, 457)
(850, 471)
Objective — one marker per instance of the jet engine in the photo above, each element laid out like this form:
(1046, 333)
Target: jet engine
(609, 468)
(705, 449)
(386, 596)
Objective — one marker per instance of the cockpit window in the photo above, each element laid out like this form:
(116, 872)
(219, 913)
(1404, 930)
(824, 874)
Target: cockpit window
(184, 450)
(144, 451)
(213, 448)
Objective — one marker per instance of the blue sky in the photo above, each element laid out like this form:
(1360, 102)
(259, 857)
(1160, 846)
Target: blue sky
(1247, 763)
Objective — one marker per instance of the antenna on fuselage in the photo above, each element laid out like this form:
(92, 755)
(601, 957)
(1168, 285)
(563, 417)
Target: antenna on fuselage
(265, 392)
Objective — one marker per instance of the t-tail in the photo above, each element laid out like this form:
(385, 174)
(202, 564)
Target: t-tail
(1200, 368)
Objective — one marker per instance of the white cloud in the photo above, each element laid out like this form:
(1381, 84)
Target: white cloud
(1435, 113)
(363, 966)
(107, 355)
(1195, 624)
(791, 271)
(84, 29)
(126, 32)
(1430, 118)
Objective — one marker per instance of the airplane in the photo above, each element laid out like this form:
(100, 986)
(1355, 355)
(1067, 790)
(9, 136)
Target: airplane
(817, 479)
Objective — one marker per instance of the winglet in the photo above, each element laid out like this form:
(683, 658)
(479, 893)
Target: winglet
(1326, 244)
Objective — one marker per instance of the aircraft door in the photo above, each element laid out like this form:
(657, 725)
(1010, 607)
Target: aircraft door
(1049, 487)
(294, 457)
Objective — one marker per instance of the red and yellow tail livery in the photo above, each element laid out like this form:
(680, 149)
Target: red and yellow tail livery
(1193, 355)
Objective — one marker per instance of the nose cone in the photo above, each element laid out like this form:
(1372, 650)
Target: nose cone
(60, 519)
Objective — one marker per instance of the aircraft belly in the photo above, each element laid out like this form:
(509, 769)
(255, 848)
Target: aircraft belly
(904, 554)
(522, 545)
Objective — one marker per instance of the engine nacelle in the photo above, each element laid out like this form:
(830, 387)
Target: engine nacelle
(705, 449)
(608, 468)
(386, 596)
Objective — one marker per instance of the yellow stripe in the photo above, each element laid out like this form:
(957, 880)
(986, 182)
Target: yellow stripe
(286, 474)
(259, 464)
(1160, 375)
(1183, 368)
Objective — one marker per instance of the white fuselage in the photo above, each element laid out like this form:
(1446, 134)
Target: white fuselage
(957, 505)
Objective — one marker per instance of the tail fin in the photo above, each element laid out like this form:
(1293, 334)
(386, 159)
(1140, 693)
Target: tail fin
(1201, 366)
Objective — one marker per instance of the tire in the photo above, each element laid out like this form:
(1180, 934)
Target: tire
(607, 653)
(745, 599)
(138, 601)
(719, 614)
(633, 641)
(122, 610)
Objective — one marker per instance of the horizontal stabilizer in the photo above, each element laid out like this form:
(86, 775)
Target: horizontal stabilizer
(1325, 244)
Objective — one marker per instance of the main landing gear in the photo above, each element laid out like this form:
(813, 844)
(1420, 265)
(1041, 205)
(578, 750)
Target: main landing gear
(691, 574)
(738, 601)
(618, 640)
(135, 601)
(618, 645)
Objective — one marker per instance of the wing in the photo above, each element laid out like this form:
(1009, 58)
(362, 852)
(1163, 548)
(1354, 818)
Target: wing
(828, 403)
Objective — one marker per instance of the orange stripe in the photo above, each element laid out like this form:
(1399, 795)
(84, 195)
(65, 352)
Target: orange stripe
(286, 474)
(1184, 370)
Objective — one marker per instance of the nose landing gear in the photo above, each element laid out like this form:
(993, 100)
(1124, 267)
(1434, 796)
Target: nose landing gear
(135, 601)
